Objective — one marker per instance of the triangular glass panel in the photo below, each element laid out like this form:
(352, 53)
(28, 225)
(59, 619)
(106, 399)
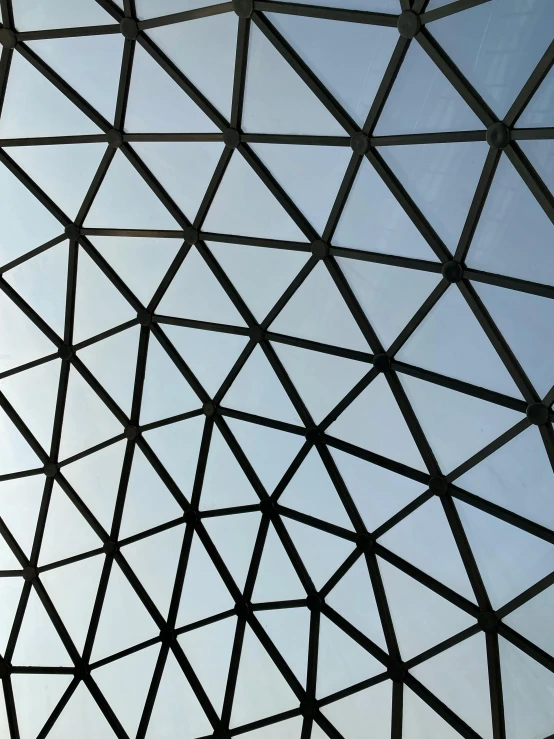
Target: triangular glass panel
(321, 379)
(113, 362)
(310, 175)
(87, 421)
(154, 561)
(354, 599)
(8, 559)
(204, 592)
(258, 390)
(277, 100)
(441, 179)
(362, 424)
(21, 340)
(527, 323)
(321, 553)
(518, 476)
(539, 153)
(96, 480)
(125, 685)
(195, 293)
(38, 642)
(225, 484)
(34, 15)
(177, 446)
(177, 711)
(527, 689)
(419, 721)
(140, 262)
(41, 281)
(124, 621)
(115, 205)
(291, 728)
(90, 64)
(277, 578)
(422, 100)
(311, 491)
(377, 492)
(74, 165)
(317, 312)
(373, 6)
(184, 169)
(234, 537)
(371, 707)
(73, 589)
(34, 107)
(81, 715)
(261, 275)
(350, 59)
(270, 452)
(539, 110)
(510, 560)
(17, 455)
(258, 213)
(448, 337)
(192, 47)
(66, 533)
(421, 618)
(145, 9)
(289, 630)
(99, 305)
(208, 649)
(10, 593)
(209, 354)
(265, 696)
(35, 697)
(341, 661)
(534, 620)
(33, 395)
(456, 425)
(477, 38)
(424, 539)
(157, 104)
(511, 216)
(389, 296)
(166, 393)
(459, 677)
(148, 503)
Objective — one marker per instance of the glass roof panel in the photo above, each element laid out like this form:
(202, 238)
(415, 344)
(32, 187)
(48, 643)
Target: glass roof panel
(289, 630)
(277, 579)
(235, 536)
(225, 484)
(367, 707)
(419, 721)
(150, 9)
(35, 698)
(38, 642)
(531, 620)
(32, 14)
(373, 6)
(540, 109)
(540, 156)
(19, 507)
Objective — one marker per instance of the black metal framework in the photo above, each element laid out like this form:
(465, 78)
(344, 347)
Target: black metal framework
(502, 137)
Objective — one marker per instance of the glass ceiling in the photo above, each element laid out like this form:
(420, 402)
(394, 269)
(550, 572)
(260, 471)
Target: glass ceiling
(276, 369)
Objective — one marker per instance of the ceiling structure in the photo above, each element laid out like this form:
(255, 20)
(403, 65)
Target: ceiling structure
(276, 369)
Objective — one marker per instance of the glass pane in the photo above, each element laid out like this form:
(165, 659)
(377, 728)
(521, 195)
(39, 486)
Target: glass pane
(540, 109)
(19, 507)
(422, 100)
(459, 677)
(481, 43)
(152, 9)
(421, 618)
(510, 560)
(264, 216)
(512, 216)
(183, 169)
(10, 593)
(21, 340)
(518, 476)
(441, 179)
(360, 424)
(157, 104)
(193, 45)
(534, 618)
(446, 339)
(317, 312)
(35, 697)
(234, 536)
(354, 714)
(82, 711)
(38, 642)
(289, 630)
(310, 175)
(17, 455)
(389, 296)
(87, 63)
(456, 425)
(32, 14)
(276, 100)
(195, 293)
(424, 539)
(291, 729)
(419, 721)
(540, 155)
(225, 484)
(321, 379)
(177, 447)
(375, 6)
(277, 578)
(352, 66)
(384, 228)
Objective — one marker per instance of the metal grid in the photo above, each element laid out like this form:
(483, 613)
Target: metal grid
(502, 137)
